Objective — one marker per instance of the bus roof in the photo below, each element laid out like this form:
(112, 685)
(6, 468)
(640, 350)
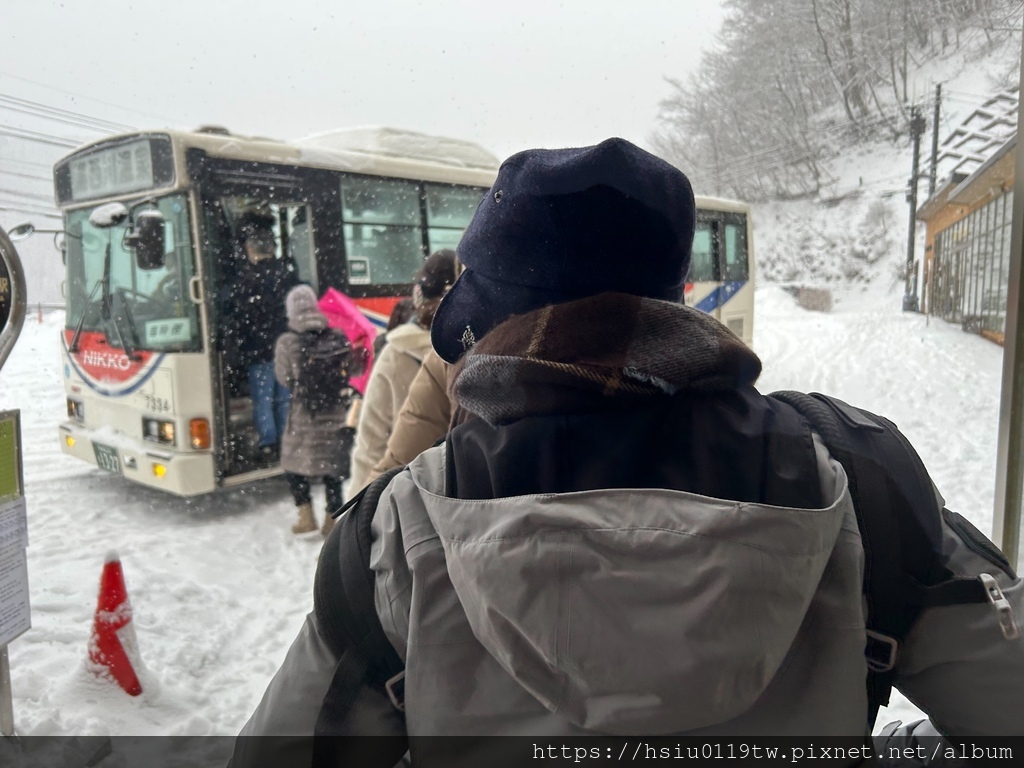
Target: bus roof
(373, 150)
(721, 204)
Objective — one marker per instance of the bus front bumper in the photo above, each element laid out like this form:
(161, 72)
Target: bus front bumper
(183, 474)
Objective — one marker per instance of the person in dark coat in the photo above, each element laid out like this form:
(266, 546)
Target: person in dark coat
(256, 317)
(313, 445)
(621, 535)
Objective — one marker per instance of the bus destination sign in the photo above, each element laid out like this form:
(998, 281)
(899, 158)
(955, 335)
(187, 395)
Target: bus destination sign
(112, 171)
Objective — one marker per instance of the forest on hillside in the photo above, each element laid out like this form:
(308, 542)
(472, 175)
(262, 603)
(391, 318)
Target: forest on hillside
(790, 83)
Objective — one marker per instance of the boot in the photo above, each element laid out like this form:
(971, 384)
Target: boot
(306, 522)
(327, 526)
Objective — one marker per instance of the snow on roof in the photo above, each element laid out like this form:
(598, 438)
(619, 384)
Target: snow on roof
(982, 133)
(394, 142)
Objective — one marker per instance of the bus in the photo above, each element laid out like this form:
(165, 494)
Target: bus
(154, 390)
(721, 278)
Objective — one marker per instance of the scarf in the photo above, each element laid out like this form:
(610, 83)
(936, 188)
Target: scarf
(598, 352)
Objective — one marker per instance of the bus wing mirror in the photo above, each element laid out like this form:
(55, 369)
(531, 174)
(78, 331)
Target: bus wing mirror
(21, 231)
(147, 239)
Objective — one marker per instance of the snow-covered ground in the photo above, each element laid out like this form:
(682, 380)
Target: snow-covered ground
(219, 585)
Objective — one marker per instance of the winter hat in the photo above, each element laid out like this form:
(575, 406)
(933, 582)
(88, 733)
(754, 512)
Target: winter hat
(302, 309)
(563, 224)
(252, 221)
(437, 274)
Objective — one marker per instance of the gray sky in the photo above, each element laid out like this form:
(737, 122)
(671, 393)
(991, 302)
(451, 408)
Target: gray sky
(506, 75)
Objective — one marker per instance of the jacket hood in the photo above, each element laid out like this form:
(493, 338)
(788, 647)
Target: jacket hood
(638, 611)
(410, 339)
(302, 310)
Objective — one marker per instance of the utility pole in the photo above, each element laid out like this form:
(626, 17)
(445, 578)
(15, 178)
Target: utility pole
(917, 128)
(935, 140)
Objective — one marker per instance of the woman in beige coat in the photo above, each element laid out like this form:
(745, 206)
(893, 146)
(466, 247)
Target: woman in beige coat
(398, 364)
(424, 418)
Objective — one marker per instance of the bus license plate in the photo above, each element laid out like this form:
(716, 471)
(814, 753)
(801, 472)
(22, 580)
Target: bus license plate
(107, 458)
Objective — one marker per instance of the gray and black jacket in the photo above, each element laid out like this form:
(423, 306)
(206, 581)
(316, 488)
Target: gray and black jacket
(679, 558)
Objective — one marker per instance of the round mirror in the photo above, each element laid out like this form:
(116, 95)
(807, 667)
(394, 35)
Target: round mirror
(21, 231)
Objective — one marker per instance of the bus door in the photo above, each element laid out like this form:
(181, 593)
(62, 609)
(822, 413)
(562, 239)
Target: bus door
(228, 195)
(704, 278)
(736, 295)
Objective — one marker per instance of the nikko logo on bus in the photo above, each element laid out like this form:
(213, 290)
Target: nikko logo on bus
(106, 369)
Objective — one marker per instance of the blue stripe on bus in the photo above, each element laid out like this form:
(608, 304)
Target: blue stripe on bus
(719, 296)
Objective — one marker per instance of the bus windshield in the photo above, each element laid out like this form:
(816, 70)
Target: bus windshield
(140, 310)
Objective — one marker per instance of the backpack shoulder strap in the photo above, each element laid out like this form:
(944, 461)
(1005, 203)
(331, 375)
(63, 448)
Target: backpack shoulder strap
(900, 523)
(343, 601)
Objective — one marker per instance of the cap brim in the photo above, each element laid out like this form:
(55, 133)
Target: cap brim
(475, 304)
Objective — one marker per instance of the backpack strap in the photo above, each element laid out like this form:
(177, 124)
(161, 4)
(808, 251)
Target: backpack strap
(343, 601)
(900, 523)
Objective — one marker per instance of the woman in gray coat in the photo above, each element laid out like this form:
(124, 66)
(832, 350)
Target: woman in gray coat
(314, 444)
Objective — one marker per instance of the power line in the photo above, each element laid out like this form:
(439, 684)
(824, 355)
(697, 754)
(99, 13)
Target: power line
(167, 120)
(26, 176)
(11, 207)
(40, 138)
(28, 163)
(81, 124)
(24, 105)
(27, 195)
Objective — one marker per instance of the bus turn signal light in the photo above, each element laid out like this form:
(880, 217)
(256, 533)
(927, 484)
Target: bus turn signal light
(199, 430)
(76, 410)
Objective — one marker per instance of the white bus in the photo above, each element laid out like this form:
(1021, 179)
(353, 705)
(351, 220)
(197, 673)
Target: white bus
(721, 279)
(154, 389)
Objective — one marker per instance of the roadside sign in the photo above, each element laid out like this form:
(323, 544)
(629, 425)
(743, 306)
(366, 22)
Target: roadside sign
(14, 606)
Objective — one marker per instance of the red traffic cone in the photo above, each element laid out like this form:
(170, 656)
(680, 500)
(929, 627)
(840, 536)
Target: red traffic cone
(113, 645)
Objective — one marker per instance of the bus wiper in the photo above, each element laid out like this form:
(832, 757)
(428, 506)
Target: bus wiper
(73, 346)
(107, 310)
(128, 350)
(137, 342)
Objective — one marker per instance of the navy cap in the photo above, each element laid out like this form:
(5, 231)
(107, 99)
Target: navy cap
(563, 224)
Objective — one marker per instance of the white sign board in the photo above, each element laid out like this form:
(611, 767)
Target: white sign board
(14, 605)
(13, 525)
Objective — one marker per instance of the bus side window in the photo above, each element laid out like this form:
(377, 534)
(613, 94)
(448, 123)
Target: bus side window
(734, 257)
(383, 230)
(702, 262)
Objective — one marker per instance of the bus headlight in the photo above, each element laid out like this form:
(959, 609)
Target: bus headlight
(159, 470)
(76, 410)
(199, 431)
(157, 431)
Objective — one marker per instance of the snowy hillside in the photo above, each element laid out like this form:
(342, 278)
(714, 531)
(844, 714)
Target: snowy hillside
(855, 230)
